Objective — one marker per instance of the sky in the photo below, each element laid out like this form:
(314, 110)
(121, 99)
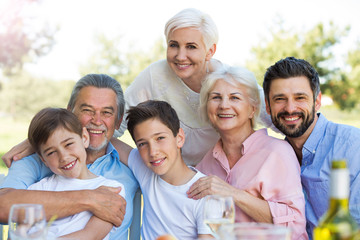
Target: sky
(241, 25)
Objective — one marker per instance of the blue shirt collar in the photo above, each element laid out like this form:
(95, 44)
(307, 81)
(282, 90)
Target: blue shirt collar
(110, 151)
(316, 135)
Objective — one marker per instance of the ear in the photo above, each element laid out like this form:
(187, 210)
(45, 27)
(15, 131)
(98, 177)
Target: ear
(85, 137)
(180, 138)
(267, 104)
(210, 53)
(117, 125)
(252, 112)
(43, 160)
(318, 102)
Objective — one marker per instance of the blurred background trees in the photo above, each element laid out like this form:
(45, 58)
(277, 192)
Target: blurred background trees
(339, 80)
(22, 38)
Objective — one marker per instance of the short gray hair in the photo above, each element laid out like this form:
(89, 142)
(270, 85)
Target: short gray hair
(99, 81)
(234, 76)
(194, 18)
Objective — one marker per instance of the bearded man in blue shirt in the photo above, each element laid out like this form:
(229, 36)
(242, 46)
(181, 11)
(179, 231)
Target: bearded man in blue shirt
(98, 102)
(293, 98)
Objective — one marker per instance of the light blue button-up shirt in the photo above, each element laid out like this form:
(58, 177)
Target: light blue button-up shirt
(31, 169)
(329, 141)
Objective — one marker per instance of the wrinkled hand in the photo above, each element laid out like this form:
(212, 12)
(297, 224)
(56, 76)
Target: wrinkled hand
(18, 152)
(210, 185)
(108, 205)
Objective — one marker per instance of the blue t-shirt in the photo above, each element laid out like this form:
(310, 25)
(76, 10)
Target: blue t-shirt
(31, 169)
(329, 141)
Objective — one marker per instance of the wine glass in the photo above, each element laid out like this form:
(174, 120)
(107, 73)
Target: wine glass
(27, 221)
(218, 210)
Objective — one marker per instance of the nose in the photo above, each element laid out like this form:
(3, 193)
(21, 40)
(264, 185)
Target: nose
(96, 119)
(181, 54)
(63, 155)
(153, 149)
(224, 103)
(290, 106)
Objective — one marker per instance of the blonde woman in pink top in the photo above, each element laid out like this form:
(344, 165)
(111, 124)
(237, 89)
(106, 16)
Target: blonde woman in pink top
(260, 172)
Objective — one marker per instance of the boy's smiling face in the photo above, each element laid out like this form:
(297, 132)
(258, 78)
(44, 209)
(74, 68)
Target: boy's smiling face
(64, 153)
(158, 147)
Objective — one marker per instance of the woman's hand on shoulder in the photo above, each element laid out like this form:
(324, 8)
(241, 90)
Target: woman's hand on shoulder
(210, 185)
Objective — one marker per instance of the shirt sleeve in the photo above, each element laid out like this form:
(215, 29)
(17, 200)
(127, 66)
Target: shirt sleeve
(137, 166)
(283, 192)
(202, 228)
(25, 172)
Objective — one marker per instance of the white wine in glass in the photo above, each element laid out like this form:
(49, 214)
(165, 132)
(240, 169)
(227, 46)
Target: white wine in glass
(27, 222)
(218, 210)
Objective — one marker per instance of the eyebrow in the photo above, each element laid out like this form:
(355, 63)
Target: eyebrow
(295, 94)
(65, 140)
(234, 93)
(189, 43)
(90, 106)
(153, 135)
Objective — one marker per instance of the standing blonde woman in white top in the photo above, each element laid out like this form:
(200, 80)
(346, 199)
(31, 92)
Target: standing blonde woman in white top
(191, 38)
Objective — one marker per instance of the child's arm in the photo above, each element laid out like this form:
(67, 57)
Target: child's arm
(123, 149)
(95, 229)
(207, 236)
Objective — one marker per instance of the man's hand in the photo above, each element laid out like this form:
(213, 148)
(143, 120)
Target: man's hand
(107, 204)
(18, 152)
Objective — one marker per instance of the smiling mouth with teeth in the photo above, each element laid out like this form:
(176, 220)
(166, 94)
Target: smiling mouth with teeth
(226, 115)
(70, 165)
(157, 161)
(291, 118)
(95, 131)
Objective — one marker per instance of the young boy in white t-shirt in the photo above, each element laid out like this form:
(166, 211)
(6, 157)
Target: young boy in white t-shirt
(59, 139)
(162, 174)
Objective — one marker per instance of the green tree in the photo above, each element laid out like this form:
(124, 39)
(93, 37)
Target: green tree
(21, 40)
(25, 95)
(119, 61)
(316, 46)
(344, 87)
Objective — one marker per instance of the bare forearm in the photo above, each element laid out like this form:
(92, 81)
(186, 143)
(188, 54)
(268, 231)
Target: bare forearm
(61, 204)
(95, 229)
(258, 209)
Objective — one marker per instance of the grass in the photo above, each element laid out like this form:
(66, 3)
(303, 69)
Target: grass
(14, 132)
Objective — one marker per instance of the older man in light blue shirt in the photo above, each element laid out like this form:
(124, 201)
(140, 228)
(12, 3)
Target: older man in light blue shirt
(293, 97)
(97, 100)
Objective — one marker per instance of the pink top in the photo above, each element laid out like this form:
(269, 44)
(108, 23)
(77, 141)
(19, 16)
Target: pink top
(268, 170)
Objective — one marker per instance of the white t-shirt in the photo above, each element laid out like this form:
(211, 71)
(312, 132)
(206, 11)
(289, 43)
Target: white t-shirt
(78, 221)
(167, 209)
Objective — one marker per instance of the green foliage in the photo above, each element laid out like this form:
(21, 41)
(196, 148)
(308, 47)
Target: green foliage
(317, 47)
(344, 86)
(111, 58)
(314, 46)
(21, 40)
(24, 95)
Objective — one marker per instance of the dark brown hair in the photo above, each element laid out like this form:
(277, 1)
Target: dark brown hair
(153, 109)
(288, 68)
(46, 121)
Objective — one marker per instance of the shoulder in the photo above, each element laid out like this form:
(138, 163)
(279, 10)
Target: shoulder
(134, 156)
(272, 144)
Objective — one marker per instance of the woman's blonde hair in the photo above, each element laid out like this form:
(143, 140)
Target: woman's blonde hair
(194, 18)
